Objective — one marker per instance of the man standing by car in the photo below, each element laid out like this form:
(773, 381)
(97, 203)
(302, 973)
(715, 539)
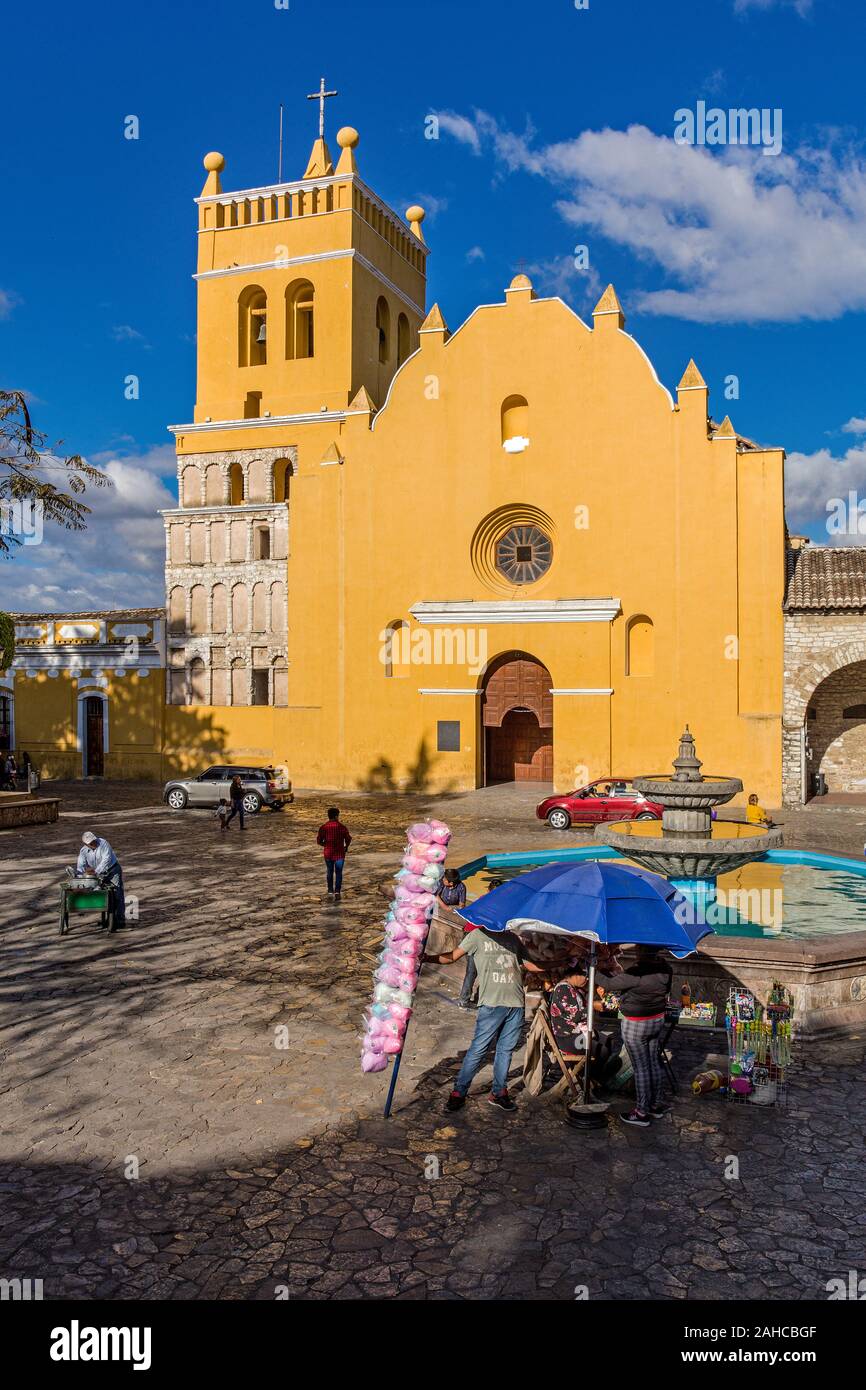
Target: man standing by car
(97, 857)
(335, 840)
(236, 796)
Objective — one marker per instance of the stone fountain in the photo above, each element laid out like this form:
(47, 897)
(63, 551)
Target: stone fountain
(692, 848)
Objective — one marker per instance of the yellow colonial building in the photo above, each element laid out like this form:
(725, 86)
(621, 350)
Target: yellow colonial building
(403, 556)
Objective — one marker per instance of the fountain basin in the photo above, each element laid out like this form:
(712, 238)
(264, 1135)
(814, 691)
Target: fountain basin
(681, 795)
(826, 972)
(678, 855)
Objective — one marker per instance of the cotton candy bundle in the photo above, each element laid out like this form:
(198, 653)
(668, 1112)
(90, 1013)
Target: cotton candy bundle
(406, 927)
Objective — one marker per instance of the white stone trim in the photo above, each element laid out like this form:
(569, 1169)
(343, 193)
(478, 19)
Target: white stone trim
(583, 690)
(447, 690)
(286, 263)
(483, 611)
(264, 422)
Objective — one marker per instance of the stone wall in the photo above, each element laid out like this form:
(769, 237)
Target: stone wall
(823, 647)
(227, 603)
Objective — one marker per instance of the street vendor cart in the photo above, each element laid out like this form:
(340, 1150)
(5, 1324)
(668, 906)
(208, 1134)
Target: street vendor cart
(87, 894)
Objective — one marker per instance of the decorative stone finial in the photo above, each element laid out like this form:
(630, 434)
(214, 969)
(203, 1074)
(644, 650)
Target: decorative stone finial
(347, 139)
(214, 162)
(687, 767)
(434, 322)
(415, 216)
(609, 305)
(692, 379)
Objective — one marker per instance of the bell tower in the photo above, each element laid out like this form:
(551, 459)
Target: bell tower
(307, 290)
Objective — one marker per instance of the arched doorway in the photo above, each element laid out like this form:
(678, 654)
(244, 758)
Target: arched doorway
(517, 720)
(835, 732)
(92, 732)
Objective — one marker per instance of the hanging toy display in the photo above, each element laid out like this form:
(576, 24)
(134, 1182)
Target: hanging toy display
(759, 1045)
(406, 928)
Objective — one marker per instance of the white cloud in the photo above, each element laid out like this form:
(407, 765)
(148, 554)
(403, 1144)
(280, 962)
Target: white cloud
(461, 128)
(813, 481)
(739, 237)
(802, 7)
(117, 561)
(9, 300)
(475, 253)
(856, 425)
(125, 333)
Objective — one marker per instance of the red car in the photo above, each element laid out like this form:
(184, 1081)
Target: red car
(607, 799)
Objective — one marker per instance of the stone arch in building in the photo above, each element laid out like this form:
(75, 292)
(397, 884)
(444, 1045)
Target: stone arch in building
(835, 729)
(517, 720)
(816, 737)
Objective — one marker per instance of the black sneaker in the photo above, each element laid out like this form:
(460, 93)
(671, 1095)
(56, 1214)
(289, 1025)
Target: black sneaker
(455, 1101)
(636, 1117)
(502, 1099)
(659, 1111)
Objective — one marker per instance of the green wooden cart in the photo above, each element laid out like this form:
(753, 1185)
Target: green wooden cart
(87, 895)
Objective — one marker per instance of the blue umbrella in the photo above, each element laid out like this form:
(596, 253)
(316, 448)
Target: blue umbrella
(599, 901)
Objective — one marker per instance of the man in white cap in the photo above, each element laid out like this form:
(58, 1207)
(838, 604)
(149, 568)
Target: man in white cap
(97, 856)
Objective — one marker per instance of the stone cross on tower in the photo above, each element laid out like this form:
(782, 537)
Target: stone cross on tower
(321, 96)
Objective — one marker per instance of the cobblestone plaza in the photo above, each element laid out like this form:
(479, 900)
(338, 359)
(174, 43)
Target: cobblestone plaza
(160, 1142)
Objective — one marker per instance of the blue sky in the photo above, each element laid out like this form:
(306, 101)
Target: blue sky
(556, 130)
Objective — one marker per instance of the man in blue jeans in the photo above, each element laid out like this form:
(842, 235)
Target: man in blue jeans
(498, 959)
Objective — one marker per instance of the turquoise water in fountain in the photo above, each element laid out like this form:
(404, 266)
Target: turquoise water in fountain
(787, 893)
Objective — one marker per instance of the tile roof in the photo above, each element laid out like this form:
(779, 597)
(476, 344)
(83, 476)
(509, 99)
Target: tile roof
(827, 576)
(112, 614)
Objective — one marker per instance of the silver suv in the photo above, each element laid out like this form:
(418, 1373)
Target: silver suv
(263, 786)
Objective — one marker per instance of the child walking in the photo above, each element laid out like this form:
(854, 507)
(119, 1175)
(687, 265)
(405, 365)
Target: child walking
(221, 814)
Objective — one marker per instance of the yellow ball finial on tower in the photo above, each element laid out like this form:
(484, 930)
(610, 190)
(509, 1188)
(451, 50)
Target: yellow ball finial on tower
(347, 139)
(214, 162)
(415, 216)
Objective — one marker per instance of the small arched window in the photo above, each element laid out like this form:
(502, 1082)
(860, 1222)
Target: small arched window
(396, 654)
(240, 682)
(515, 424)
(177, 611)
(190, 484)
(252, 327)
(197, 682)
(282, 480)
(640, 646)
(240, 609)
(219, 607)
(402, 339)
(198, 610)
(281, 681)
(236, 485)
(383, 328)
(214, 486)
(300, 319)
(260, 607)
(854, 712)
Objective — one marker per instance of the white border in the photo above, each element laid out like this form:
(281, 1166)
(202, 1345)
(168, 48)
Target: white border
(92, 688)
(560, 610)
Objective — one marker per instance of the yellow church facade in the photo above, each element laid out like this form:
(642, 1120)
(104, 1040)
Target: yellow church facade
(405, 557)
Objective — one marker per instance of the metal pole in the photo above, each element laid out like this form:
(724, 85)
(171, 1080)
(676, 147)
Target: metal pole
(590, 1009)
(280, 163)
(395, 1070)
